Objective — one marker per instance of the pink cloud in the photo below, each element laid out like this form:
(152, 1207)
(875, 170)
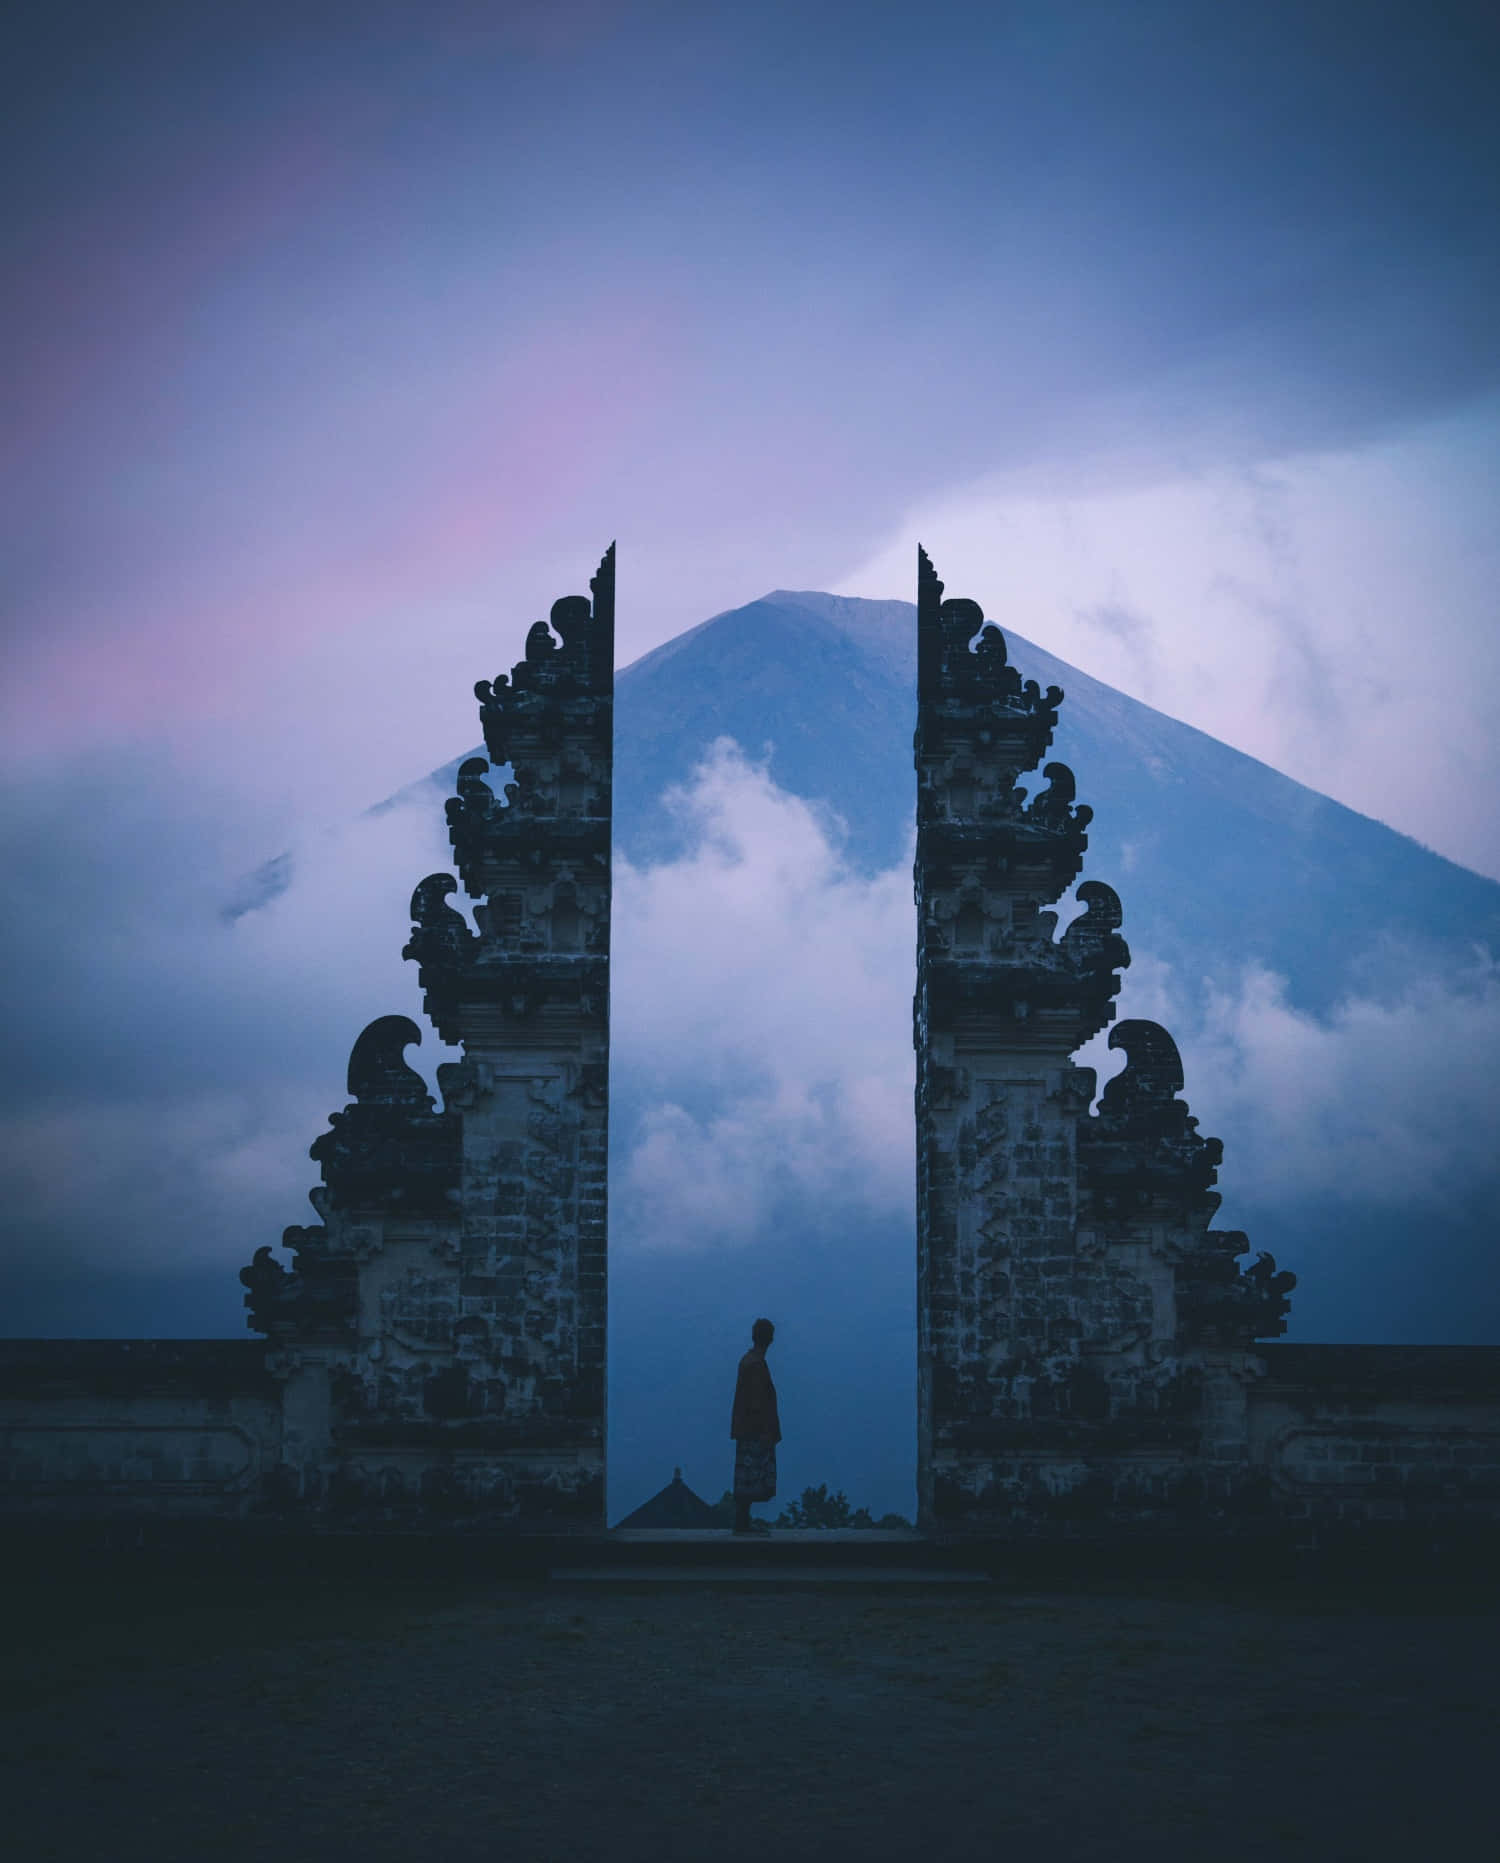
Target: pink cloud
(407, 513)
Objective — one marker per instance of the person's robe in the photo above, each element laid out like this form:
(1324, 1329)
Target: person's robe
(755, 1417)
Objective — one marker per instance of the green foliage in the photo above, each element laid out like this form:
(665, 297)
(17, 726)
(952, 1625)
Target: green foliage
(818, 1508)
(815, 1508)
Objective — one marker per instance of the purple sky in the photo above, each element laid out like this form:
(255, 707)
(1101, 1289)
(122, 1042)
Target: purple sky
(338, 350)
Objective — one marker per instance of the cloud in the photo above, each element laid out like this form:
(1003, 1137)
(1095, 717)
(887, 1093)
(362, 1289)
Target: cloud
(1391, 1099)
(169, 1071)
(1330, 615)
(172, 1068)
(1132, 630)
(164, 1182)
(1363, 1145)
(763, 1054)
(759, 1025)
(763, 1075)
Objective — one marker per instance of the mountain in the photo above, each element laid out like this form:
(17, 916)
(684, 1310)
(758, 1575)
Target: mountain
(1218, 858)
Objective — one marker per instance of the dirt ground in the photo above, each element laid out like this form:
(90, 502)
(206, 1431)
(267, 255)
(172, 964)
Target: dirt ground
(568, 1720)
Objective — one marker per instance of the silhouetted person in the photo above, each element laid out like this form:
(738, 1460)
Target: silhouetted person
(755, 1427)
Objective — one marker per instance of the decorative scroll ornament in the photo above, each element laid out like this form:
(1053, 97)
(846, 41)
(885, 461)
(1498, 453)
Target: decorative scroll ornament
(1142, 1151)
(389, 1148)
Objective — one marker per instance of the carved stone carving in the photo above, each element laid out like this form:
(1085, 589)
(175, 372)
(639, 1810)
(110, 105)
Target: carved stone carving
(389, 1149)
(1142, 1151)
(387, 1153)
(1222, 1305)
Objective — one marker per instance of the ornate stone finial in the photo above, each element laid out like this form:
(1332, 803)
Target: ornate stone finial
(602, 587)
(929, 605)
(963, 615)
(1052, 807)
(473, 813)
(570, 614)
(602, 633)
(1221, 1305)
(474, 790)
(986, 639)
(962, 661)
(1142, 1150)
(1092, 943)
(1152, 1074)
(378, 1074)
(928, 584)
(437, 930)
(568, 661)
(440, 943)
(388, 1147)
(268, 1288)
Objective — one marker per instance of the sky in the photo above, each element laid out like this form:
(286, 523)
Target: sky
(341, 341)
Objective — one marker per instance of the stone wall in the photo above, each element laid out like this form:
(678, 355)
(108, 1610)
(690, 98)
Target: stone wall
(1363, 1433)
(185, 1428)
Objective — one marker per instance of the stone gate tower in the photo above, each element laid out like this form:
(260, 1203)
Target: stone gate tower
(442, 1339)
(1082, 1334)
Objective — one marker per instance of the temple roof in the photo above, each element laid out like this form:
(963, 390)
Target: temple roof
(675, 1506)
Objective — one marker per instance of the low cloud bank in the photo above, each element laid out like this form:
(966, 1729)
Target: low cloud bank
(1363, 1147)
(169, 1071)
(763, 1062)
(1390, 1098)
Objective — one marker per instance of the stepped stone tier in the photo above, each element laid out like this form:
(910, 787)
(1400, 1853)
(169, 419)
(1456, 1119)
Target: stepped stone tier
(1093, 1361)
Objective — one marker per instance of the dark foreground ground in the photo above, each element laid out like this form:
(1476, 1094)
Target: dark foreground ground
(573, 1720)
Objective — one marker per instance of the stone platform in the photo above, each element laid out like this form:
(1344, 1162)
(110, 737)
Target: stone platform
(645, 1556)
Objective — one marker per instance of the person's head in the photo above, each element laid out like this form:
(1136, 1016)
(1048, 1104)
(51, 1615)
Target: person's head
(762, 1333)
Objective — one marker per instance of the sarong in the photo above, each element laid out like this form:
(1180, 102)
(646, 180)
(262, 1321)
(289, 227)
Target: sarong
(754, 1469)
